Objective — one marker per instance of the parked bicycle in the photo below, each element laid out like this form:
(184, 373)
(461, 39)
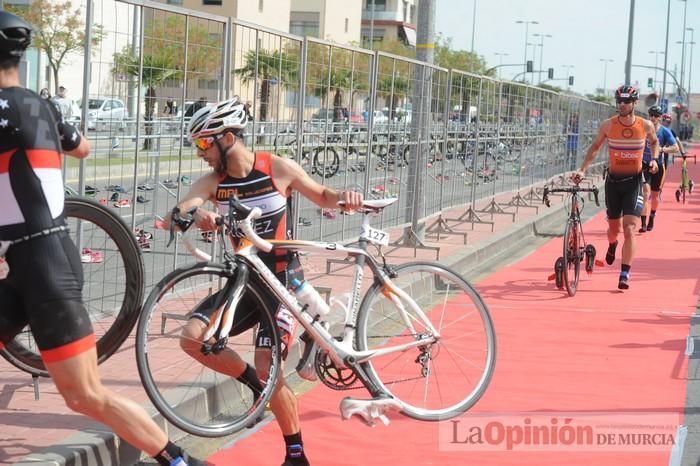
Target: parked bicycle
(567, 268)
(417, 337)
(320, 160)
(113, 290)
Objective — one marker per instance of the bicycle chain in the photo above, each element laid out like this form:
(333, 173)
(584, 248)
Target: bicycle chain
(355, 385)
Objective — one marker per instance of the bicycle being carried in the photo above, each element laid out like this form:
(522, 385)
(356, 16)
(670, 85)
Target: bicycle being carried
(417, 337)
(567, 268)
(686, 185)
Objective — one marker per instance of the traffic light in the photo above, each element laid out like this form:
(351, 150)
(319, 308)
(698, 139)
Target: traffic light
(528, 66)
(650, 83)
(550, 73)
(571, 80)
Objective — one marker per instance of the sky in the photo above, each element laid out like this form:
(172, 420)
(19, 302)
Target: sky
(583, 32)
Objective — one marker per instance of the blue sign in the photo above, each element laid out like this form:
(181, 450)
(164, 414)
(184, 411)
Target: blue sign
(664, 105)
(679, 99)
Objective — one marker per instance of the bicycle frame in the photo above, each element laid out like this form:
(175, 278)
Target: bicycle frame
(342, 352)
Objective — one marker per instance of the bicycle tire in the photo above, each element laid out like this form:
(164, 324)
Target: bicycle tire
(192, 397)
(115, 305)
(464, 321)
(572, 256)
(324, 168)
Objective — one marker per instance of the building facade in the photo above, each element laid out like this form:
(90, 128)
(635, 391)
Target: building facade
(384, 20)
(327, 19)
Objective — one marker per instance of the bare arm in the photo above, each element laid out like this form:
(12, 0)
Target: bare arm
(82, 151)
(654, 143)
(290, 176)
(202, 190)
(595, 146)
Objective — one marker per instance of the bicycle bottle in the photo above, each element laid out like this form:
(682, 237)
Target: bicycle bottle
(309, 297)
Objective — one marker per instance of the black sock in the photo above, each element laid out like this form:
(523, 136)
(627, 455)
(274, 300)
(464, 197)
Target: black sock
(610, 255)
(644, 221)
(651, 220)
(625, 268)
(250, 379)
(168, 454)
(295, 450)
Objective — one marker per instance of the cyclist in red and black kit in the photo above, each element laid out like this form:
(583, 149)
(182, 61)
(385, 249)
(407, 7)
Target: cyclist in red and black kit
(263, 180)
(43, 286)
(626, 134)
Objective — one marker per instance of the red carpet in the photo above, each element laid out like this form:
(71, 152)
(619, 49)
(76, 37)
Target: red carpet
(604, 352)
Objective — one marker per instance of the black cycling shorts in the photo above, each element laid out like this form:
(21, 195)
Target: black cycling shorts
(248, 312)
(623, 196)
(656, 178)
(44, 290)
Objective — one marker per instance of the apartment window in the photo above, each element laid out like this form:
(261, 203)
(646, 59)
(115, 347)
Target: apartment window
(405, 11)
(211, 2)
(378, 5)
(260, 6)
(174, 2)
(347, 25)
(305, 23)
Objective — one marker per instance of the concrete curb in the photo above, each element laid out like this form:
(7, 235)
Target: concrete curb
(98, 446)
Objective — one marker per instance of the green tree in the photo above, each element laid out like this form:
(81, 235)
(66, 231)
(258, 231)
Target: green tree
(447, 57)
(266, 66)
(59, 29)
(164, 58)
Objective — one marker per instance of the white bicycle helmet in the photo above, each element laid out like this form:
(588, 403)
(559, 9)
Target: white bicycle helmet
(215, 119)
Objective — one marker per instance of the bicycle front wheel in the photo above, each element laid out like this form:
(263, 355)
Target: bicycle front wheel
(113, 274)
(439, 380)
(204, 400)
(572, 257)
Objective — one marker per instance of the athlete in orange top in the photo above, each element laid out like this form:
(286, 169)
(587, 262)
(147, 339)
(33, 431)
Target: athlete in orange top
(625, 134)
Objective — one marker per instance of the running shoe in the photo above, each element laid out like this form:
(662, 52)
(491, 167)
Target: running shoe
(88, 256)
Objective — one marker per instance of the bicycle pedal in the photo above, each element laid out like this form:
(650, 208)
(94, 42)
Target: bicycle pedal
(368, 410)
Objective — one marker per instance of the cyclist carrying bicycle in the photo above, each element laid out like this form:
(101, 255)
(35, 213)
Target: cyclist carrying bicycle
(264, 180)
(626, 134)
(43, 286)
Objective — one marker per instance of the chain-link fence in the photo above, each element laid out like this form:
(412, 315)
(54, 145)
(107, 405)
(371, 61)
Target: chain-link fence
(352, 118)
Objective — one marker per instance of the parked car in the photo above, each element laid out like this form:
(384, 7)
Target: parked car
(105, 111)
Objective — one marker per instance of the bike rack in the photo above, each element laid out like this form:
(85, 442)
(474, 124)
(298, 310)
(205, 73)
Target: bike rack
(494, 208)
(409, 239)
(470, 216)
(441, 227)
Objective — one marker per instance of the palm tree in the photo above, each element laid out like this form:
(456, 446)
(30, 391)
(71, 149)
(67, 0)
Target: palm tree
(336, 82)
(267, 67)
(156, 70)
(393, 88)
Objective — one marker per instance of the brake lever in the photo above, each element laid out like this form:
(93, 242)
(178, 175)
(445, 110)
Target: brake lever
(182, 223)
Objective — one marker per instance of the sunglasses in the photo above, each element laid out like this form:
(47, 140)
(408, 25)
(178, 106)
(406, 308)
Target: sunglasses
(206, 142)
(625, 101)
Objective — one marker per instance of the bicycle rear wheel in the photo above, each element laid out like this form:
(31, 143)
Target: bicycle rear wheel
(113, 274)
(572, 256)
(445, 378)
(326, 162)
(193, 397)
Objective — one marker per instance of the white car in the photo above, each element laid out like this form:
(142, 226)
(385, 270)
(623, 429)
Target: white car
(105, 112)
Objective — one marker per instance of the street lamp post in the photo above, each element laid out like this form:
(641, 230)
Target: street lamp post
(500, 56)
(473, 24)
(685, 10)
(605, 74)
(656, 64)
(690, 68)
(541, 36)
(526, 23)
